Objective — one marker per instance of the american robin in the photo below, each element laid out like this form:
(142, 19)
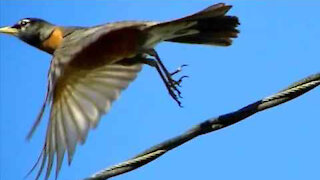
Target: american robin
(90, 67)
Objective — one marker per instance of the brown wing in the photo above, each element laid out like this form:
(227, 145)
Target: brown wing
(78, 102)
(86, 75)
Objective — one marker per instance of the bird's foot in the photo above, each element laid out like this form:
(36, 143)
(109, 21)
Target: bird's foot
(178, 70)
(173, 84)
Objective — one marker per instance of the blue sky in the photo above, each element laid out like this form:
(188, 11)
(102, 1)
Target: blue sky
(278, 45)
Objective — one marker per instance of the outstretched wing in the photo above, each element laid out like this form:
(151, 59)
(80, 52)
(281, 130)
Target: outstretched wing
(86, 75)
(78, 102)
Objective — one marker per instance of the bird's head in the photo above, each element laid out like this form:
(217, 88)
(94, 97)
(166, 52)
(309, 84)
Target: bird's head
(32, 31)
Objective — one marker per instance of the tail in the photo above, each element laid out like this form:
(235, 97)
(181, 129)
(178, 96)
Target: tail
(210, 26)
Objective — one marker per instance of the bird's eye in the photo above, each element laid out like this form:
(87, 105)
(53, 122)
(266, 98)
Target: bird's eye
(24, 22)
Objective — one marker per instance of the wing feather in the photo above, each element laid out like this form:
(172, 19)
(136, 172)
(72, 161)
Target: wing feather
(60, 137)
(44, 157)
(88, 105)
(80, 121)
(83, 98)
(73, 125)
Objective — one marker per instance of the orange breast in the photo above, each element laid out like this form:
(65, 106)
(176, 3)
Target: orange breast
(54, 41)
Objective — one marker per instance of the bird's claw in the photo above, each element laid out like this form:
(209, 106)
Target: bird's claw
(178, 82)
(179, 69)
(174, 84)
(171, 84)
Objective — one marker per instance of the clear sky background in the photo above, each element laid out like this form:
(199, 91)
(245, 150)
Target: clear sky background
(278, 45)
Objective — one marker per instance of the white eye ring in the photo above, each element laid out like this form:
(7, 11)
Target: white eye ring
(24, 22)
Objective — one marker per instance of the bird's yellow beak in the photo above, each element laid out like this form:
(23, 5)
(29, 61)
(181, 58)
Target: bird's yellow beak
(9, 30)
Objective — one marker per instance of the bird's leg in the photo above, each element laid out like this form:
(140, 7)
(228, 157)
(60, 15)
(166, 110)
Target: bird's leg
(169, 86)
(173, 83)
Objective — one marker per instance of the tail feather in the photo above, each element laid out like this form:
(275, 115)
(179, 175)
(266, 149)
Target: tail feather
(212, 31)
(212, 11)
(210, 26)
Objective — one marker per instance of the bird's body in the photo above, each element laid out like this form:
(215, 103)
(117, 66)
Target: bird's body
(90, 67)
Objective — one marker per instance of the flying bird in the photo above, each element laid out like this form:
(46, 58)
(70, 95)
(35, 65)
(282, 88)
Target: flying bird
(90, 66)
